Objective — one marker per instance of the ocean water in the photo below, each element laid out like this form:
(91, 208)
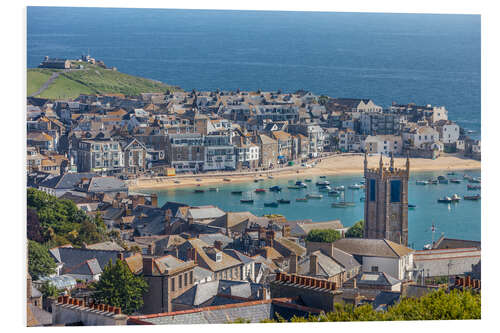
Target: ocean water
(459, 220)
(421, 58)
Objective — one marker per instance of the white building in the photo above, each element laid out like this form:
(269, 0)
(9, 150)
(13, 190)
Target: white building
(418, 136)
(385, 144)
(449, 132)
(380, 255)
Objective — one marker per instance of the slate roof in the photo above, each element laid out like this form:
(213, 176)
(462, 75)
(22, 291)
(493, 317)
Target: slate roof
(107, 184)
(37, 316)
(303, 228)
(80, 259)
(200, 273)
(240, 256)
(66, 181)
(205, 212)
(173, 206)
(286, 247)
(385, 299)
(450, 243)
(108, 245)
(375, 279)
(327, 267)
(226, 262)
(372, 247)
(345, 259)
(211, 238)
(134, 263)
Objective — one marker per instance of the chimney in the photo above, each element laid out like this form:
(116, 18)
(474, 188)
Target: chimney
(147, 265)
(120, 256)
(355, 283)
(154, 200)
(218, 245)
(192, 255)
(292, 266)
(313, 264)
(264, 293)
(150, 249)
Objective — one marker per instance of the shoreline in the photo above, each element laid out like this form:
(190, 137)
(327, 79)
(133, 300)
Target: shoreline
(330, 166)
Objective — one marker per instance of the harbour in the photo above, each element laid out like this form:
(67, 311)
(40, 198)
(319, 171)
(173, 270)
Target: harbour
(457, 219)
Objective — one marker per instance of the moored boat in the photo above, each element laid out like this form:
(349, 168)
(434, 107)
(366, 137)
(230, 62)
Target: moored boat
(445, 200)
(294, 187)
(283, 201)
(422, 182)
(334, 193)
(410, 206)
(323, 183)
(271, 204)
(260, 190)
(236, 192)
(300, 184)
(226, 179)
(473, 187)
(326, 188)
(472, 197)
(213, 189)
(314, 196)
(476, 180)
(199, 191)
(356, 186)
(362, 199)
(247, 201)
(308, 180)
(455, 181)
(343, 204)
(455, 198)
(443, 180)
(301, 199)
(340, 188)
(322, 177)
(275, 188)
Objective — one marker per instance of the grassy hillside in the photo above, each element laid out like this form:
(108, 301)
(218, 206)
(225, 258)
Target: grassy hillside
(91, 80)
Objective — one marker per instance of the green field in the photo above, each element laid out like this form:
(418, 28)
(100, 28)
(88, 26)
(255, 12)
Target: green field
(91, 80)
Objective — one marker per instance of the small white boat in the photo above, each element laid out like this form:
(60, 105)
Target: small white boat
(323, 183)
(339, 188)
(314, 196)
(422, 182)
(455, 197)
(326, 188)
(356, 186)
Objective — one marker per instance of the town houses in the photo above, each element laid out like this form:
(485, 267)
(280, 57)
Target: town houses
(199, 259)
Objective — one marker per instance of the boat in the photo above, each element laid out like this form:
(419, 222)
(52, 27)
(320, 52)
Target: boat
(340, 188)
(236, 192)
(433, 181)
(453, 173)
(314, 196)
(177, 182)
(271, 204)
(362, 182)
(226, 179)
(475, 180)
(255, 180)
(275, 188)
(270, 177)
(442, 180)
(455, 181)
(466, 176)
(455, 198)
(213, 189)
(472, 197)
(326, 188)
(308, 180)
(199, 191)
(247, 201)
(300, 184)
(422, 182)
(356, 186)
(473, 187)
(322, 177)
(301, 199)
(283, 201)
(323, 183)
(334, 193)
(410, 206)
(445, 200)
(343, 204)
(362, 199)
(260, 190)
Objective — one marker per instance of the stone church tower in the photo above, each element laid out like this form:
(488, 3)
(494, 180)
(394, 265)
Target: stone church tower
(386, 202)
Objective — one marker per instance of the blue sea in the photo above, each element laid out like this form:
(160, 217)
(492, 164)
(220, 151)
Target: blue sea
(421, 58)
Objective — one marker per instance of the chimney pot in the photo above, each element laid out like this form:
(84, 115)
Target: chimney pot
(65, 299)
(118, 311)
(60, 299)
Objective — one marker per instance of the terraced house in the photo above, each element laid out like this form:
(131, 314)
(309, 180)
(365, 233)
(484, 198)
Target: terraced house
(100, 155)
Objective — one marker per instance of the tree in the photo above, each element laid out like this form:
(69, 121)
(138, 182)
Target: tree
(323, 100)
(49, 290)
(33, 228)
(438, 305)
(40, 263)
(356, 231)
(117, 286)
(323, 235)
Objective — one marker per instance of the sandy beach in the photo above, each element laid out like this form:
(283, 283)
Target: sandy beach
(333, 165)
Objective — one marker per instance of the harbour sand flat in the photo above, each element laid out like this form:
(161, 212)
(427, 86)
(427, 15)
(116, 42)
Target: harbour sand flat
(333, 165)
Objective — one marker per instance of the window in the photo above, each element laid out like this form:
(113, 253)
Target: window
(180, 281)
(373, 184)
(395, 190)
(172, 284)
(191, 277)
(374, 268)
(185, 279)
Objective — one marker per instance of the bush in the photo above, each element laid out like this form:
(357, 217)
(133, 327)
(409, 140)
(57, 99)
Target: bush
(323, 236)
(356, 231)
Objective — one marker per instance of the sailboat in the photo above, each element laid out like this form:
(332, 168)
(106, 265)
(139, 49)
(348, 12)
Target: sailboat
(344, 204)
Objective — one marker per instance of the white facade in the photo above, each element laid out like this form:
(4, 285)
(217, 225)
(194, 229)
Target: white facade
(399, 268)
(385, 144)
(449, 133)
(421, 136)
(439, 113)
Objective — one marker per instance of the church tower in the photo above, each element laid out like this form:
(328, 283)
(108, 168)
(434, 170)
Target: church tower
(386, 202)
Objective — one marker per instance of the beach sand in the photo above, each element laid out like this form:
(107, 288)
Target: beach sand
(333, 165)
